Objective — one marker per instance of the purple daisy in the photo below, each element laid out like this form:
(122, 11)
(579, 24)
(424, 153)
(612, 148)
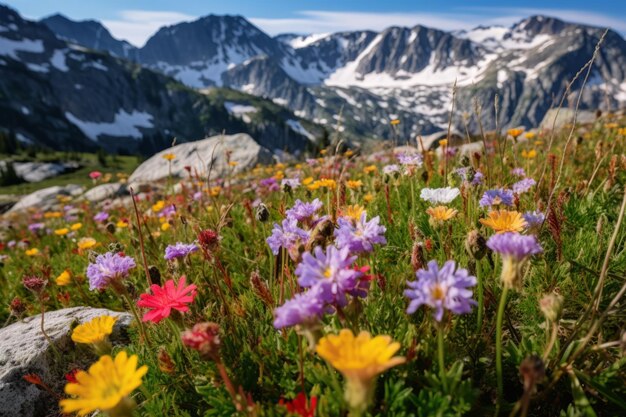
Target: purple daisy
(514, 245)
(168, 211)
(108, 267)
(303, 211)
(478, 178)
(101, 216)
(410, 159)
(289, 236)
(179, 250)
(534, 219)
(35, 227)
(292, 183)
(496, 197)
(391, 169)
(518, 172)
(441, 288)
(359, 236)
(524, 185)
(331, 271)
(303, 307)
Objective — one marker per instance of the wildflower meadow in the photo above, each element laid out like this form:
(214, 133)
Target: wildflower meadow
(394, 282)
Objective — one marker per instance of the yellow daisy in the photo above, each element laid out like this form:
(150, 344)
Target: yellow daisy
(94, 331)
(505, 221)
(62, 232)
(64, 278)
(441, 213)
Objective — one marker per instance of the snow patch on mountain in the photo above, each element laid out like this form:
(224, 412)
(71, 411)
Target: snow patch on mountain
(10, 47)
(123, 125)
(298, 128)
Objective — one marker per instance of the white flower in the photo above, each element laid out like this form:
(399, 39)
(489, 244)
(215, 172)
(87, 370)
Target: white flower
(439, 195)
(389, 169)
(410, 159)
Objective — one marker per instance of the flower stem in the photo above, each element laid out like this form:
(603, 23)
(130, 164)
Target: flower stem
(440, 355)
(480, 291)
(133, 310)
(499, 318)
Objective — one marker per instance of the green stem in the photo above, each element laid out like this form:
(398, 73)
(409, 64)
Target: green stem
(142, 328)
(499, 318)
(440, 355)
(480, 291)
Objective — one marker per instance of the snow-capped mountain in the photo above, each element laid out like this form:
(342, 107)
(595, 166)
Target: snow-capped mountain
(60, 95)
(359, 80)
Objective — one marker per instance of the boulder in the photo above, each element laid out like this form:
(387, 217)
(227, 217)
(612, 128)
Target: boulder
(24, 350)
(46, 198)
(560, 117)
(104, 191)
(203, 156)
(39, 171)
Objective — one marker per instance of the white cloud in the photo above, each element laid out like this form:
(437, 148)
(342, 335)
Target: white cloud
(136, 26)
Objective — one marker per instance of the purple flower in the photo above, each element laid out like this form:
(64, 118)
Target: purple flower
(270, 183)
(292, 183)
(360, 236)
(197, 196)
(390, 169)
(513, 245)
(35, 227)
(440, 289)
(179, 250)
(496, 197)
(290, 236)
(518, 172)
(303, 307)
(478, 178)
(331, 271)
(303, 211)
(524, 185)
(108, 267)
(410, 159)
(101, 217)
(534, 219)
(168, 211)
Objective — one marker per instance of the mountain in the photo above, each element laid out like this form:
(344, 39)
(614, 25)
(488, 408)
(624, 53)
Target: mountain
(62, 96)
(90, 34)
(356, 82)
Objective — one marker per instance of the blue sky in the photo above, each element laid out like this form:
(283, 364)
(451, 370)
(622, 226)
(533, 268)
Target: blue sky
(136, 20)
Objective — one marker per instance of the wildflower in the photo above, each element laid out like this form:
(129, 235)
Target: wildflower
(370, 169)
(34, 284)
(360, 360)
(17, 307)
(478, 178)
(164, 299)
(515, 132)
(62, 232)
(122, 224)
(514, 249)
(101, 216)
(86, 243)
(303, 307)
(158, 206)
(353, 184)
(443, 142)
(323, 183)
(354, 212)
(518, 172)
(523, 185)
(63, 279)
(534, 220)
(331, 271)
(179, 250)
(476, 245)
(391, 169)
(94, 175)
(529, 154)
(95, 332)
(394, 122)
(105, 386)
(35, 227)
(52, 214)
(76, 226)
(441, 288)
(440, 195)
(360, 235)
(107, 268)
(304, 211)
(289, 236)
(71, 375)
(165, 226)
(31, 252)
(441, 214)
(168, 156)
(165, 362)
(368, 198)
(411, 159)
(300, 405)
(496, 197)
(205, 338)
(307, 181)
(233, 163)
(530, 135)
(290, 183)
(551, 306)
(502, 221)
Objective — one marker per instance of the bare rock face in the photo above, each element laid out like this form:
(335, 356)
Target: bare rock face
(24, 350)
(203, 156)
(104, 191)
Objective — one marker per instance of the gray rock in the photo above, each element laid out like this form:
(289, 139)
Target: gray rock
(46, 198)
(202, 156)
(103, 191)
(24, 350)
(39, 171)
(559, 118)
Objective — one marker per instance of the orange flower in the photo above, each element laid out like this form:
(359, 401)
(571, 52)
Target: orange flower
(352, 184)
(502, 221)
(441, 213)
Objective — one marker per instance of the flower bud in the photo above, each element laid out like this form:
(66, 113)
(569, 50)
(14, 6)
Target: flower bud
(166, 364)
(34, 284)
(551, 306)
(111, 227)
(155, 274)
(17, 307)
(204, 337)
(262, 213)
(476, 245)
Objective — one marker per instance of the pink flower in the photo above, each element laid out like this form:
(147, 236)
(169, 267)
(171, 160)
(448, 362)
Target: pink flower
(166, 298)
(94, 175)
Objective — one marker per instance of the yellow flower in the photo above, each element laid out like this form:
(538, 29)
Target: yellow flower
(298, 166)
(122, 224)
(52, 215)
(394, 122)
(64, 278)
(64, 198)
(370, 169)
(76, 226)
(307, 181)
(360, 359)
(538, 143)
(348, 153)
(323, 183)
(515, 132)
(86, 243)
(94, 331)
(529, 154)
(32, 252)
(165, 226)
(611, 125)
(530, 135)
(505, 221)
(323, 151)
(158, 206)
(215, 191)
(621, 131)
(443, 142)
(280, 166)
(233, 163)
(368, 197)
(105, 385)
(279, 175)
(62, 232)
(441, 213)
(169, 156)
(354, 212)
(352, 184)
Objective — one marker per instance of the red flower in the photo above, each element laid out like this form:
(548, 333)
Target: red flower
(166, 298)
(205, 338)
(94, 175)
(71, 375)
(300, 406)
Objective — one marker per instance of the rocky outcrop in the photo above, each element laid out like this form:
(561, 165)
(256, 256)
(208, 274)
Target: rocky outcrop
(39, 171)
(203, 156)
(46, 198)
(105, 191)
(24, 350)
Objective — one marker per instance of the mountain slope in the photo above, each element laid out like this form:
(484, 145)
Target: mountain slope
(62, 96)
